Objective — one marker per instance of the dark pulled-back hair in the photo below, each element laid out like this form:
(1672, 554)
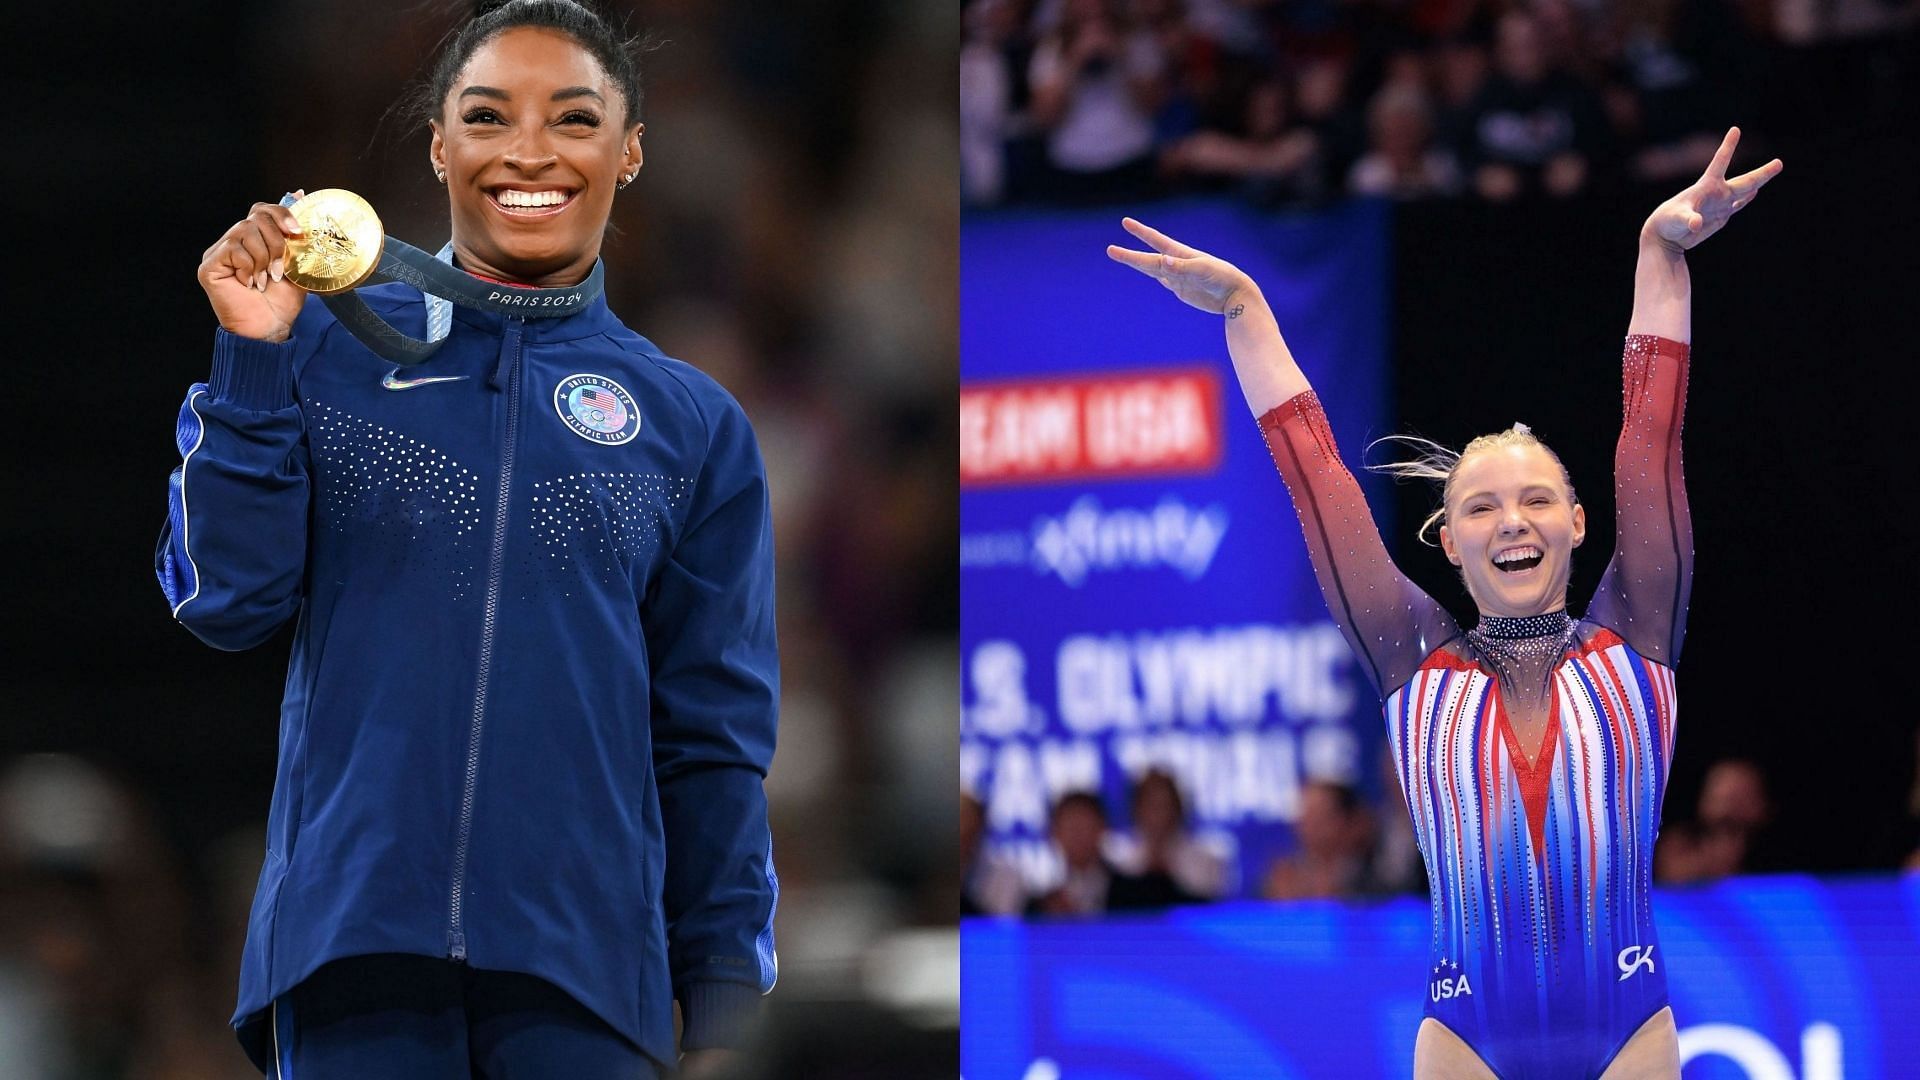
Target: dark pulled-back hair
(1085, 799)
(618, 55)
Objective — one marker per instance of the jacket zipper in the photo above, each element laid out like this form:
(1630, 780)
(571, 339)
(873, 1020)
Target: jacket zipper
(496, 557)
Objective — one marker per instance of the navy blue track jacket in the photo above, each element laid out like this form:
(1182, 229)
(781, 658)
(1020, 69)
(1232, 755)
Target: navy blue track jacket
(534, 684)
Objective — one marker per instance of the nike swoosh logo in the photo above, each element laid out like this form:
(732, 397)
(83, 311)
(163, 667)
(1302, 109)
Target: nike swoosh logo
(392, 383)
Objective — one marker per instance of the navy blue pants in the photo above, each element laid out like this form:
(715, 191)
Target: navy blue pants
(390, 1015)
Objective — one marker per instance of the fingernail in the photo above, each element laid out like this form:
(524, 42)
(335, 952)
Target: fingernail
(277, 269)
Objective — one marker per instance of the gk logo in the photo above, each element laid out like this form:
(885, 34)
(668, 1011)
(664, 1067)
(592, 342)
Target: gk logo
(1633, 958)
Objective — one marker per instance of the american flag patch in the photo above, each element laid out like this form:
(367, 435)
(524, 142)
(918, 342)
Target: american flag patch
(597, 409)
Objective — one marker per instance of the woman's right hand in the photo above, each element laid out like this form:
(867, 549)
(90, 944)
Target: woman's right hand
(1268, 376)
(1210, 284)
(244, 274)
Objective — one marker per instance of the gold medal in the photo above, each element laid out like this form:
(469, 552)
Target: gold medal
(340, 241)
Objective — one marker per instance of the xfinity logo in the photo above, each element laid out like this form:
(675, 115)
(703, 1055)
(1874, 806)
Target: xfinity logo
(1088, 538)
(1633, 958)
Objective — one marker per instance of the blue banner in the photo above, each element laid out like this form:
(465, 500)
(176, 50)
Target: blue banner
(1135, 592)
(1780, 978)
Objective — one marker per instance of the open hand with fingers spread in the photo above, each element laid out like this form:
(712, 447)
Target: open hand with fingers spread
(1200, 279)
(1698, 212)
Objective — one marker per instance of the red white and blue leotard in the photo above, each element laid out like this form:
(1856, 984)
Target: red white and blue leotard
(1540, 857)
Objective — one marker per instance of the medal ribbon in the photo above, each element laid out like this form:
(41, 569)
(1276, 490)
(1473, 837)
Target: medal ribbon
(444, 286)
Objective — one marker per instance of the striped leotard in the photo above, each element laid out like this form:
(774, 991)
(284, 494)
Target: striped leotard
(1543, 954)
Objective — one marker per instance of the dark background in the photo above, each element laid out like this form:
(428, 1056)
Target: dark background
(791, 233)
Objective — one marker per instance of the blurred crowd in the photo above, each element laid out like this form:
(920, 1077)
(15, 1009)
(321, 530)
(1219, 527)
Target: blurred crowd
(1291, 102)
(1342, 848)
(792, 234)
(118, 956)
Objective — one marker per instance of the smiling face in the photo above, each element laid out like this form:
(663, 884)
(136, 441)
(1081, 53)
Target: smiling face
(533, 143)
(1511, 528)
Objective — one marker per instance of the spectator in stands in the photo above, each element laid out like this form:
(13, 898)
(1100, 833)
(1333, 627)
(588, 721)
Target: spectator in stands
(1276, 159)
(1728, 834)
(1078, 825)
(1161, 852)
(1402, 161)
(1664, 99)
(1323, 89)
(1330, 860)
(1205, 79)
(1460, 65)
(1090, 883)
(986, 98)
(1571, 95)
(1405, 65)
(1233, 26)
(1564, 40)
(97, 937)
(988, 885)
(1533, 127)
(1097, 86)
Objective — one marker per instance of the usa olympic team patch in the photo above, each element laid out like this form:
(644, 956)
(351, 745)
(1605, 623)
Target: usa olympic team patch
(597, 409)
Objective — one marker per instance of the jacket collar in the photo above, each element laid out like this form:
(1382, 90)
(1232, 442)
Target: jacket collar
(595, 318)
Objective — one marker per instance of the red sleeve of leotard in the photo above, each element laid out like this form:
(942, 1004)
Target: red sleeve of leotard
(1390, 623)
(1643, 596)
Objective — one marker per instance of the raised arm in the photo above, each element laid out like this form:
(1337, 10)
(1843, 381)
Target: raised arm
(1643, 595)
(1389, 622)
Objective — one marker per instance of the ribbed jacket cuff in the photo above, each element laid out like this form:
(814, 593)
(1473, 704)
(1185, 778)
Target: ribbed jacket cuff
(717, 1015)
(250, 374)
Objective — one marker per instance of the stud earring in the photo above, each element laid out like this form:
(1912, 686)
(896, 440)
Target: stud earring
(440, 176)
(624, 181)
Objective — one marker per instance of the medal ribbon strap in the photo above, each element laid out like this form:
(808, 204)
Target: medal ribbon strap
(444, 285)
